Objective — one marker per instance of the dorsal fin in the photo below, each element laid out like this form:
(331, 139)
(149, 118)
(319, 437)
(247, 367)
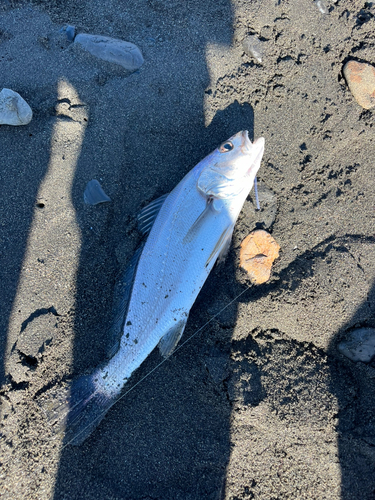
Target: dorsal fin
(121, 299)
(148, 214)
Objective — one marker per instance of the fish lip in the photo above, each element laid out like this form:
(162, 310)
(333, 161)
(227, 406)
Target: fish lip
(245, 143)
(256, 151)
(248, 147)
(245, 134)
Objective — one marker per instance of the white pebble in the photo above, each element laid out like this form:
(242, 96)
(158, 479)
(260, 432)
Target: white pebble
(253, 47)
(112, 50)
(359, 345)
(13, 109)
(323, 9)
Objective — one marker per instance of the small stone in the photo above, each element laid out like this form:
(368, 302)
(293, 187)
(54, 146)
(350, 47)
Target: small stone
(359, 345)
(361, 81)
(113, 50)
(258, 251)
(13, 109)
(323, 9)
(252, 46)
(94, 193)
(70, 32)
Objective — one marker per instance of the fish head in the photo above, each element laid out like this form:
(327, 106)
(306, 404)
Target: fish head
(230, 170)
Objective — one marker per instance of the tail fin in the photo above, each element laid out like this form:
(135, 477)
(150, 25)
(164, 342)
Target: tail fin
(75, 409)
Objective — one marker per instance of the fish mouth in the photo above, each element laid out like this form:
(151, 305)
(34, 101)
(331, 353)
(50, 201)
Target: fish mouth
(248, 147)
(254, 149)
(245, 135)
(245, 142)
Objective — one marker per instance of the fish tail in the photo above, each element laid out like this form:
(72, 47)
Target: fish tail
(76, 409)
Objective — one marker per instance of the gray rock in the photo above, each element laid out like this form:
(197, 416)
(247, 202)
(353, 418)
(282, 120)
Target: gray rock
(94, 193)
(14, 110)
(359, 345)
(70, 32)
(113, 50)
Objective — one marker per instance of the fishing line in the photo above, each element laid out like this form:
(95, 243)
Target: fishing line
(161, 363)
(256, 193)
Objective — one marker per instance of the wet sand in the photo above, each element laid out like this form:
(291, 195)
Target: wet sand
(259, 404)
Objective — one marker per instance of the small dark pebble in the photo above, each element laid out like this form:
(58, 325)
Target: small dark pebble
(70, 33)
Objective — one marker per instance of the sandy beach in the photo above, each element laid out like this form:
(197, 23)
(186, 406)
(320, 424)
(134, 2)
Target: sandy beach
(259, 403)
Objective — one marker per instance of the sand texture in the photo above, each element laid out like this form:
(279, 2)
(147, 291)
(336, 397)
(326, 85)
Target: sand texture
(260, 404)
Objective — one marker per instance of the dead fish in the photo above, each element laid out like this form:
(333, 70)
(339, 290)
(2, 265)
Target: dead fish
(189, 230)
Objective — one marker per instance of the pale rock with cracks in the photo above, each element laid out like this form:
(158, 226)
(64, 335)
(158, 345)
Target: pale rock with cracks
(113, 50)
(14, 110)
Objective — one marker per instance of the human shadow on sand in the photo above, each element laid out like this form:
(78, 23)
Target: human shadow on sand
(20, 178)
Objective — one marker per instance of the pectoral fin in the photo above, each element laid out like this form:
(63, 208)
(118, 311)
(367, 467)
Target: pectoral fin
(222, 246)
(196, 226)
(226, 246)
(212, 205)
(168, 343)
(148, 214)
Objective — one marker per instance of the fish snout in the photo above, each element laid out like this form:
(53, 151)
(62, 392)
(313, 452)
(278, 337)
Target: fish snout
(258, 146)
(256, 151)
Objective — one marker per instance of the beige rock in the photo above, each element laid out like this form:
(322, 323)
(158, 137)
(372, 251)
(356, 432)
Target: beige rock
(258, 251)
(361, 81)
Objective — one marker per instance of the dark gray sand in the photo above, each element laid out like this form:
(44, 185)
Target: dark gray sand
(260, 404)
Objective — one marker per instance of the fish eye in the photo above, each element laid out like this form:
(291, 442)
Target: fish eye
(227, 146)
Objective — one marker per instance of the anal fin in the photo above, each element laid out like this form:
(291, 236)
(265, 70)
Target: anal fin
(168, 343)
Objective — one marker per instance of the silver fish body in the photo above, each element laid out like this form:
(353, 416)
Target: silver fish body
(191, 231)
